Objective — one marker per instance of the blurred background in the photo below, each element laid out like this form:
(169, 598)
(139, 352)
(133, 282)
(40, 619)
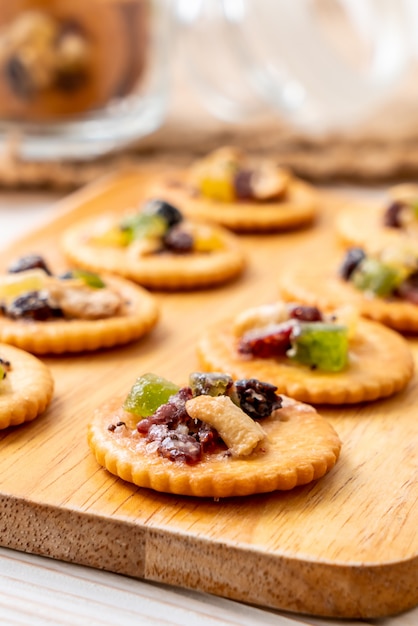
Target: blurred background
(329, 87)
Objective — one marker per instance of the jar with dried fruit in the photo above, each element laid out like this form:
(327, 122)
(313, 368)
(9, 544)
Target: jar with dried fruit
(81, 77)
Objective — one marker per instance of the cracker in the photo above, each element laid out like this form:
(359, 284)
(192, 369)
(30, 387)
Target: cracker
(363, 226)
(298, 208)
(300, 446)
(138, 316)
(319, 285)
(26, 390)
(380, 364)
(166, 271)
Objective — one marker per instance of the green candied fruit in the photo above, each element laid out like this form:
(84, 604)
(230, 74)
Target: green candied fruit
(142, 225)
(320, 345)
(148, 393)
(377, 277)
(89, 278)
(214, 384)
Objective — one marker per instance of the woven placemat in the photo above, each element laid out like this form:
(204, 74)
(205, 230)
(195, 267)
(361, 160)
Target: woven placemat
(382, 149)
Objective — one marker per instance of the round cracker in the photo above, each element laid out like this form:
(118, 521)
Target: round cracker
(139, 315)
(300, 446)
(296, 209)
(26, 390)
(318, 285)
(380, 364)
(363, 226)
(157, 271)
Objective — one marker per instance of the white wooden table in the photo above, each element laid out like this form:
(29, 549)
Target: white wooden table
(36, 590)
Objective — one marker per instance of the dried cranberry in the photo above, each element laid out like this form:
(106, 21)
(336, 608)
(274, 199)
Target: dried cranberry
(306, 313)
(178, 241)
(266, 344)
(181, 447)
(29, 262)
(257, 399)
(352, 259)
(392, 215)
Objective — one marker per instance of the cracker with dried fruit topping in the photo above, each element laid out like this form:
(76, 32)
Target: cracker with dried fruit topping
(312, 356)
(376, 226)
(213, 438)
(157, 247)
(26, 386)
(75, 312)
(242, 193)
(383, 286)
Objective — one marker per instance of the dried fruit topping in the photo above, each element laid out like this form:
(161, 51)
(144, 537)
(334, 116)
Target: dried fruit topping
(168, 212)
(352, 259)
(257, 399)
(210, 384)
(305, 313)
(29, 262)
(178, 437)
(141, 225)
(306, 337)
(178, 241)
(180, 447)
(392, 215)
(243, 184)
(408, 289)
(148, 393)
(227, 174)
(272, 341)
(201, 418)
(320, 346)
(90, 279)
(378, 278)
(32, 306)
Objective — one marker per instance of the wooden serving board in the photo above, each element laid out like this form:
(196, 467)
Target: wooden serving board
(346, 546)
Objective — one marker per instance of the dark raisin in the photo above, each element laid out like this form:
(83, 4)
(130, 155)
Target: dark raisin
(32, 306)
(268, 343)
(29, 262)
(178, 241)
(181, 447)
(163, 209)
(306, 313)
(257, 399)
(392, 215)
(352, 259)
(18, 77)
(242, 185)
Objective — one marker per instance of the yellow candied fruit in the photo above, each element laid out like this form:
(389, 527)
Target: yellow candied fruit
(13, 285)
(217, 189)
(207, 240)
(112, 237)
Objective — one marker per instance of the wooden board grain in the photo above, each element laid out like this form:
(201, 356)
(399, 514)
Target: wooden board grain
(346, 546)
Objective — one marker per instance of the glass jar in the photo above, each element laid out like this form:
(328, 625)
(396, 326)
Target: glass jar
(79, 78)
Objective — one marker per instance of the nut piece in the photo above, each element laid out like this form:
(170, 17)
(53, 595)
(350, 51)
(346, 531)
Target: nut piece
(83, 302)
(269, 181)
(261, 316)
(240, 433)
